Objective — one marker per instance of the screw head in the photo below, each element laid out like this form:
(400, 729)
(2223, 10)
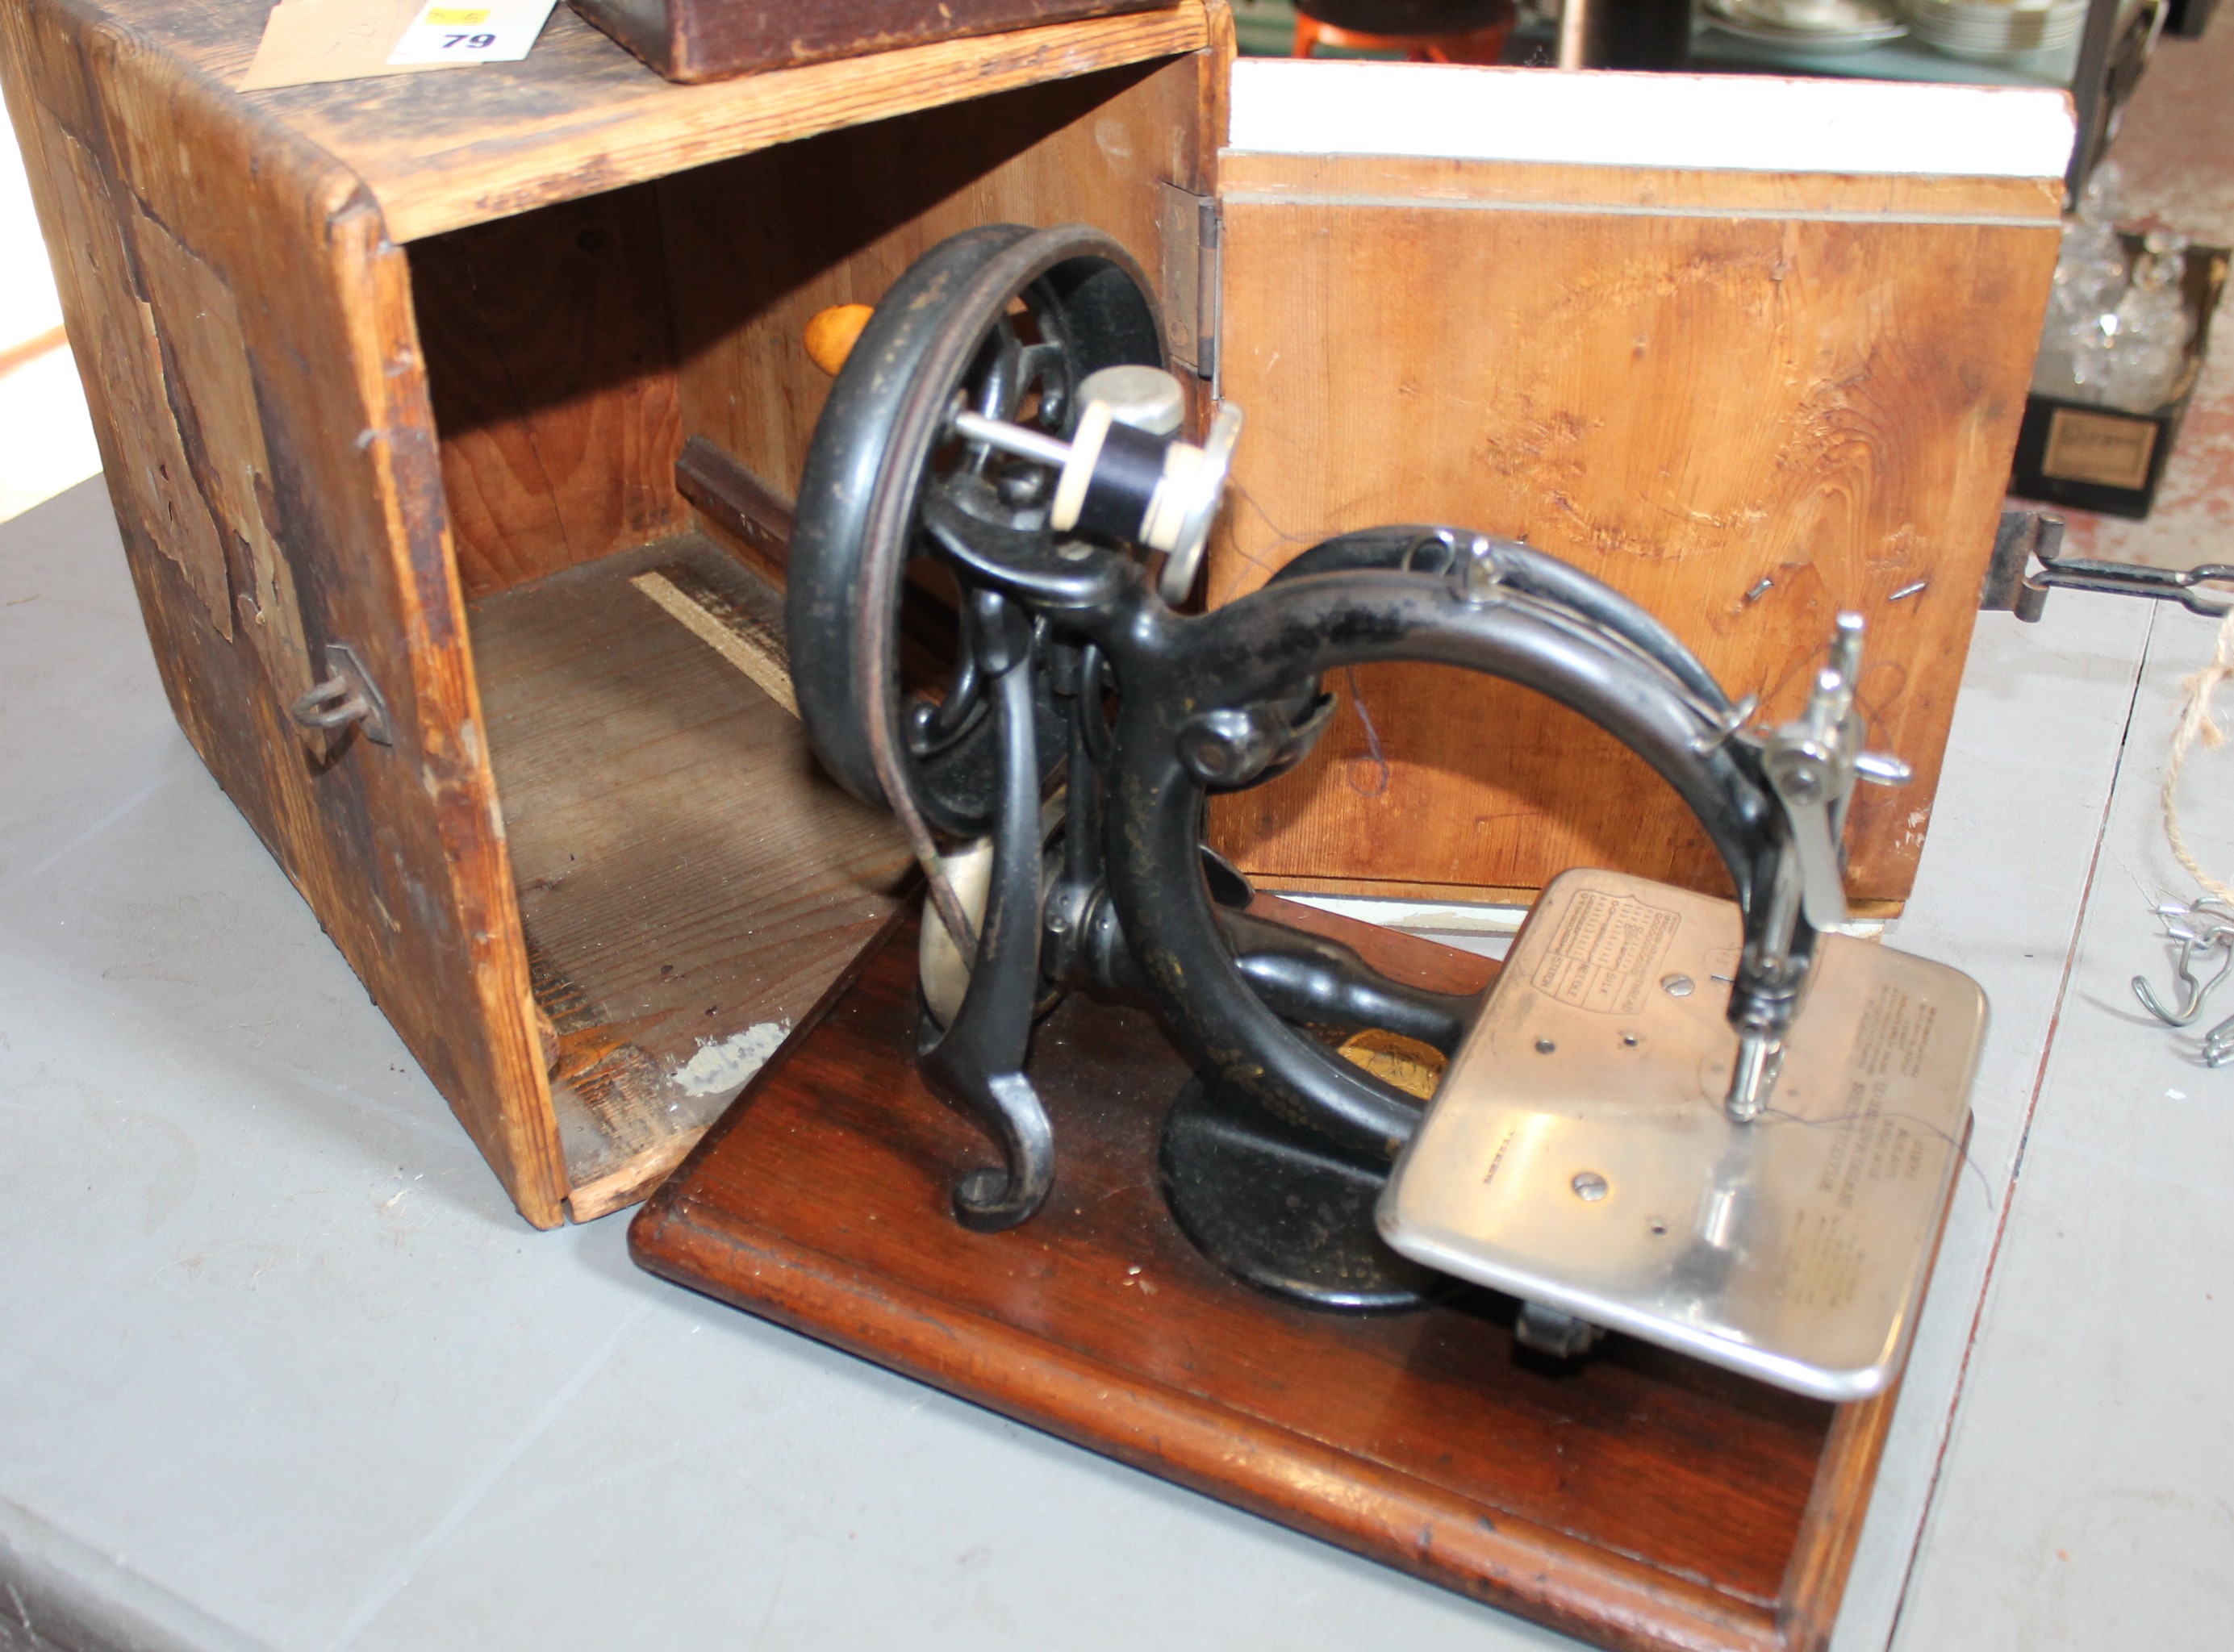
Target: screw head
(1208, 756)
(1676, 986)
(1545, 1047)
(1589, 1185)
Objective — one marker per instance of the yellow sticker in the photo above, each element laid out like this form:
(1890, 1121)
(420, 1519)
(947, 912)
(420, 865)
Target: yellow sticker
(457, 15)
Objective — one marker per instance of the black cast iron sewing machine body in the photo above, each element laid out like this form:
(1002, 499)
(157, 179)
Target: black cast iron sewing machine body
(963, 434)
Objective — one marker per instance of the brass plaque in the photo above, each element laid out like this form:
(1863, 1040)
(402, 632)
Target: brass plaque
(2108, 448)
(1577, 1153)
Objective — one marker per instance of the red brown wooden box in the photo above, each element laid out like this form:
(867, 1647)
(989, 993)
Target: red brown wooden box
(710, 40)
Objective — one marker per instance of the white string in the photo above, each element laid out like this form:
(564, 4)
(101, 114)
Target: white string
(2196, 723)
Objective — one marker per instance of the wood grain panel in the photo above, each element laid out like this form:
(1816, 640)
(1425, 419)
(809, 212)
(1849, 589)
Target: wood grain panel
(1761, 386)
(1090, 150)
(121, 362)
(1637, 1499)
(548, 354)
(212, 392)
(578, 116)
(688, 876)
(397, 848)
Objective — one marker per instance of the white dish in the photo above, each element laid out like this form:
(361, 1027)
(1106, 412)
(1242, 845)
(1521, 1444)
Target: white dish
(1987, 55)
(1722, 15)
(1987, 32)
(1815, 17)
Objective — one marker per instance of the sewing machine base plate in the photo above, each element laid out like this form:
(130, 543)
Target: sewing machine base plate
(1637, 1498)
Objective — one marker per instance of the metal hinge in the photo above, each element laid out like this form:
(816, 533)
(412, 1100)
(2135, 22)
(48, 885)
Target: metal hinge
(1190, 280)
(2028, 563)
(347, 695)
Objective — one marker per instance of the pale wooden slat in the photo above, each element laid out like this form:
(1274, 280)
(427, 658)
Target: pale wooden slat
(1255, 177)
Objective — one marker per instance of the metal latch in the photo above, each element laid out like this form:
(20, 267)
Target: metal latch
(1189, 223)
(347, 695)
(2015, 586)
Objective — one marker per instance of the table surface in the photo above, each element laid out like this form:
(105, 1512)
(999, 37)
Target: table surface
(281, 1368)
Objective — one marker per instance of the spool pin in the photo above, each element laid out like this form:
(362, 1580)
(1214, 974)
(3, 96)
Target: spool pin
(1121, 474)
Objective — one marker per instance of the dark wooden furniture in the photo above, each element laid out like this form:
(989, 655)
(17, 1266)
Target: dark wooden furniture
(712, 39)
(1639, 1500)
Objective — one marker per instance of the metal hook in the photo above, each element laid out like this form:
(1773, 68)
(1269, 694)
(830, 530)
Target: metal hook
(2216, 935)
(2218, 1044)
(347, 696)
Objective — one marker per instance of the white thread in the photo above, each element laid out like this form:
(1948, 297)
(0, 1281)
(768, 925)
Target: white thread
(2195, 722)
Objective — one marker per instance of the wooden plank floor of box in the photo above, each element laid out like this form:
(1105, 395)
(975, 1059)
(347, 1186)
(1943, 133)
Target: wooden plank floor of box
(1637, 1499)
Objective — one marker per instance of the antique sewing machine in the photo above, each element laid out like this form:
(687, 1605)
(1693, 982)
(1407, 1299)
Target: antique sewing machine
(1728, 1127)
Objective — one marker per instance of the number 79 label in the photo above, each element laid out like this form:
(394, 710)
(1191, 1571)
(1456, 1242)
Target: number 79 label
(472, 31)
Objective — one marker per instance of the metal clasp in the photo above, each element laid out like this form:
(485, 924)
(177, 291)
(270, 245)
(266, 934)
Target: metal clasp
(346, 695)
(2015, 586)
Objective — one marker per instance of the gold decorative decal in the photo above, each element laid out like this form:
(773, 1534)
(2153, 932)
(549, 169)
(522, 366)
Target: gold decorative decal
(1411, 1066)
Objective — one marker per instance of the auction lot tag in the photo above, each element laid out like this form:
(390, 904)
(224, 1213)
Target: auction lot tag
(472, 31)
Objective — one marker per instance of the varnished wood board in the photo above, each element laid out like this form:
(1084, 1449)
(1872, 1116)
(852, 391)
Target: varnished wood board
(689, 880)
(578, 116)
(1639, 1500)
(1749, 402)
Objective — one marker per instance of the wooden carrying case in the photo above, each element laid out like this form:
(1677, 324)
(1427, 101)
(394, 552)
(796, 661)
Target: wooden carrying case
(493, 380)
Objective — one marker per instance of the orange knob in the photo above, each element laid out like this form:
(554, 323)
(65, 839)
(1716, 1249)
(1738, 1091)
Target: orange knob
(831, 333)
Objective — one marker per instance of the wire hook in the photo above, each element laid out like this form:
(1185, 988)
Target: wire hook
(2216, 935)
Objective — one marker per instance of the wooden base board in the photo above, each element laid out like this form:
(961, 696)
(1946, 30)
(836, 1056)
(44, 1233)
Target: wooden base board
(689, 880)
(1637, 1499)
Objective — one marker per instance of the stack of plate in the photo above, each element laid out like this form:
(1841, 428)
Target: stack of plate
(1990, 32)
(1809, 25)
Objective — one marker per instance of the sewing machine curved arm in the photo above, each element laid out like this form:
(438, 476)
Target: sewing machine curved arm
(1435, 549)
(1247, 654)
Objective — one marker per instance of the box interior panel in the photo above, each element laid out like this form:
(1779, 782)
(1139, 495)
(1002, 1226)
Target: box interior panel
(551, 364)
(756, 246)
(689, 880)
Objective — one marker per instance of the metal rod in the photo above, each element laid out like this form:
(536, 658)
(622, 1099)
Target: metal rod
(1012, 439)
(1574, 21)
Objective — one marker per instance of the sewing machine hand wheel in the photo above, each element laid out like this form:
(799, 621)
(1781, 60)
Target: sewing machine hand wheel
(1003, 322)
(954, 434)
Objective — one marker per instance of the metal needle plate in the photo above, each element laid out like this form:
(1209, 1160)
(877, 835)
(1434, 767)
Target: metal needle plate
(1577, 1153)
